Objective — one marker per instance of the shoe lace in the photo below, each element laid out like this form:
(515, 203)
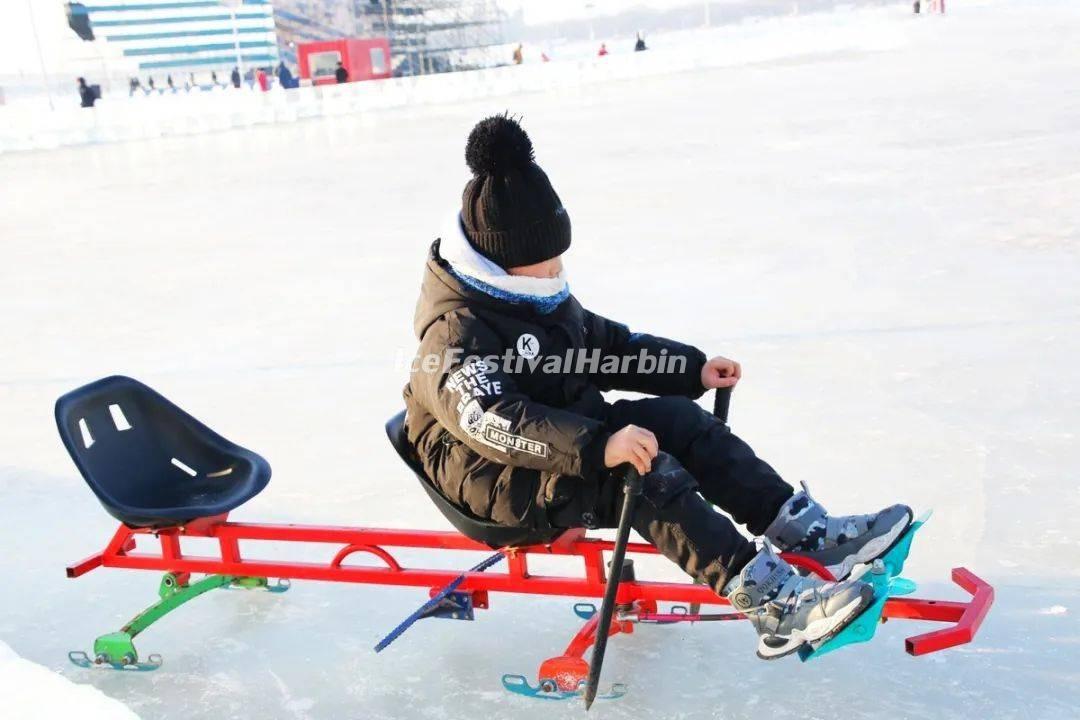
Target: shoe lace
(797, 591)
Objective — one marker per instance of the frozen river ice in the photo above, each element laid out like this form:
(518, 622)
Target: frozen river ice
(886, 239)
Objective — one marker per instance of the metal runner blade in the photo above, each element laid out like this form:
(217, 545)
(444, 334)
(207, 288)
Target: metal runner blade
(421, 612)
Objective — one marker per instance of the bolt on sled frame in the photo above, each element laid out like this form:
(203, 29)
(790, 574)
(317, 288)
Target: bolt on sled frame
(150, 463)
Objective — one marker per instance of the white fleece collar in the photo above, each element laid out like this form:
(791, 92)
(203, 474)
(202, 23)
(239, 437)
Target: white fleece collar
(465, 260)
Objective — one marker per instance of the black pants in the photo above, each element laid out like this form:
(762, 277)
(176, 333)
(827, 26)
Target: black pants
(701, 464)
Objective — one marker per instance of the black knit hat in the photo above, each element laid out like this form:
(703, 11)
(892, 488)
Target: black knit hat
(509, 210)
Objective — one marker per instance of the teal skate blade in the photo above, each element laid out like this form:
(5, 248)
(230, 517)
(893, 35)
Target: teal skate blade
(886, 584)
(901, 586)
(896, 557)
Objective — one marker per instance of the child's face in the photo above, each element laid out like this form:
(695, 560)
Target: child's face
(546, 269)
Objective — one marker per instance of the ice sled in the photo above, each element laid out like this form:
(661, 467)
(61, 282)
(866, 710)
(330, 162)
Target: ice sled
(168, 478)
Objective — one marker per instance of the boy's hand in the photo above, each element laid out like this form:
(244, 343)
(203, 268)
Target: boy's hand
(633, 445)
(720, 373)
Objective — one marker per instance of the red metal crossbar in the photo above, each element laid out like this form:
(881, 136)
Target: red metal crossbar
(640, 595)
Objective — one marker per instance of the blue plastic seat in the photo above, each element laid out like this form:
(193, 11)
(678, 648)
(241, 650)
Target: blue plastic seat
(149, 462)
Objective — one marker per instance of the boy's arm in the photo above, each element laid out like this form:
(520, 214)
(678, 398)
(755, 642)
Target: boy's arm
(681, 367)
(482, 406)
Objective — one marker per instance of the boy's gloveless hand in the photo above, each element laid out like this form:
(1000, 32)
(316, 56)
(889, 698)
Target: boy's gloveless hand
(634, 445)
(720, 373)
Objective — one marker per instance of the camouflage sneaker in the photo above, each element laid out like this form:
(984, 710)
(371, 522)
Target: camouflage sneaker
(839, 543)
(788, 609)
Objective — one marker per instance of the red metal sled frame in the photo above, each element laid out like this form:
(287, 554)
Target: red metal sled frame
(569, 668)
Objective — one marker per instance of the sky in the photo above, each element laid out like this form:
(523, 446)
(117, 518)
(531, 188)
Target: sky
(542, 11)
(17, 51)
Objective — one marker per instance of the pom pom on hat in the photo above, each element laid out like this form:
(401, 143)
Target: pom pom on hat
(498, 144)
(509, 211)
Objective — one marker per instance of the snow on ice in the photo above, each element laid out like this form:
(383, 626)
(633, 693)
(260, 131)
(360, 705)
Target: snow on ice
(30, 690)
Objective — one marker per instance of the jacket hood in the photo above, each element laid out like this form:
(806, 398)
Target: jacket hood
(441, 292)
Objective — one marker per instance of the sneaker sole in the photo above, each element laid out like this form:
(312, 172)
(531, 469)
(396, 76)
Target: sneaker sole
(872, 550)
(859, 606)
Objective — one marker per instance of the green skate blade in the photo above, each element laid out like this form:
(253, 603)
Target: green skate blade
(260, 585)
(81, 659)
(886, 584)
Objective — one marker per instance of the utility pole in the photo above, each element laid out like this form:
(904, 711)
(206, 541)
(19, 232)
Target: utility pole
(233, 4)
(387, 15)
(236, 46)
(41, 58)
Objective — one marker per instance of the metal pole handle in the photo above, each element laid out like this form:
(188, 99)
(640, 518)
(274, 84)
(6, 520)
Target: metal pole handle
(631, 492)
(721, 404)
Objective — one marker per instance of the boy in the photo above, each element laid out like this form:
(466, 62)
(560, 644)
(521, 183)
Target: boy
(506, 414)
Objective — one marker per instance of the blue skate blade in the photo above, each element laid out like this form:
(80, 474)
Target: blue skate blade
(584, 610)
(886, 584)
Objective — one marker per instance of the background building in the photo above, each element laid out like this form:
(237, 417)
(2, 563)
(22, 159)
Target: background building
(190, 39)
(426, 36)
(180, 37)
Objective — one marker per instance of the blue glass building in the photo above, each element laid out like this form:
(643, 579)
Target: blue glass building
(157, 37)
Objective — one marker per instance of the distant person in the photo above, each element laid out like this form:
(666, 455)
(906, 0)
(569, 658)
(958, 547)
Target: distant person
(284, 76)
(213, 78)
(917, 6)
(87, 96)
(263, 79)
(169, 82)
(235, 77)
(603, 50)
(150, 82)
(341, 74)
(133, 85)
(519, 56)
(639, 46)
(544, 57)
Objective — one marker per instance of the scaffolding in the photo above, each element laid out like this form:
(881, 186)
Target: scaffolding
(433, 36)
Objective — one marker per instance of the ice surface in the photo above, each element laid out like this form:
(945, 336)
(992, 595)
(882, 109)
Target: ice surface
(887, 239)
